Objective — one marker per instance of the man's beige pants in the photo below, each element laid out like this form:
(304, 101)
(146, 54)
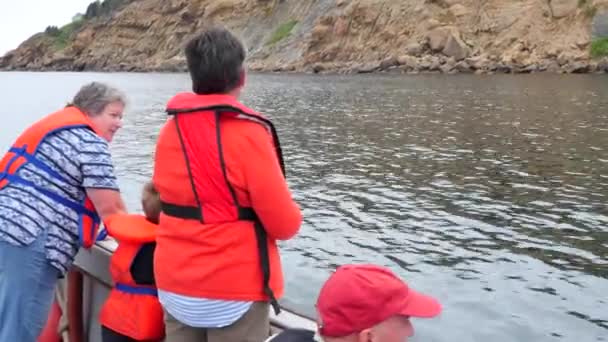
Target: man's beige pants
(254, 326)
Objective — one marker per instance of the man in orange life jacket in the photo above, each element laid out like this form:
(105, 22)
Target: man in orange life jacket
(225, 203)
(132, 312)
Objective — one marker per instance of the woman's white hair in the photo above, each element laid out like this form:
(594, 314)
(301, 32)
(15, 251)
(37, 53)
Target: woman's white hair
(92, 98)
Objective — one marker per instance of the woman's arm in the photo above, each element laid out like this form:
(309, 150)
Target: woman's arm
(268, 190)
(106, 201)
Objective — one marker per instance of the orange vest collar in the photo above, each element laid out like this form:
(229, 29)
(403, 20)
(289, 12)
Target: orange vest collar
(185, 101)
(73, 110)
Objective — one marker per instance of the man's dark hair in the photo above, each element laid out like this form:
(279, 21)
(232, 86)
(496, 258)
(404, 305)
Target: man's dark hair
(215, 61)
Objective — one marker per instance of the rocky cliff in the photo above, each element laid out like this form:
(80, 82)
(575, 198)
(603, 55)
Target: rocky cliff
(337, 36)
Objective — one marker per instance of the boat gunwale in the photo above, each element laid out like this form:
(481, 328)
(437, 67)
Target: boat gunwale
(94, 263)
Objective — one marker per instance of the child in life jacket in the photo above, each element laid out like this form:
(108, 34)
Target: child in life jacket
(132, 311)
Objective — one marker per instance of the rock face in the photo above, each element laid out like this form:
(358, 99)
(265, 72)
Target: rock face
(449, 36)
(447, 40)
(562, 8)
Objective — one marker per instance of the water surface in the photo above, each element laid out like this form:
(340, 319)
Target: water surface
(488, 192)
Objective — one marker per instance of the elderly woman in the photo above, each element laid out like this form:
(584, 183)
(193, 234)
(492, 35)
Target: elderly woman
(56, 182)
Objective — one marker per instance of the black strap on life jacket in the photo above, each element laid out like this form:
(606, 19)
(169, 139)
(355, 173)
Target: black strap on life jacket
(193, 213)
(244, 213)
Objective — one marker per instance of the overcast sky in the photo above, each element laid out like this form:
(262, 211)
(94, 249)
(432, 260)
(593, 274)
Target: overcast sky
(20, 19)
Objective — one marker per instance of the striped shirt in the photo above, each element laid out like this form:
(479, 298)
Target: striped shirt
(83, 159)
(201, 312)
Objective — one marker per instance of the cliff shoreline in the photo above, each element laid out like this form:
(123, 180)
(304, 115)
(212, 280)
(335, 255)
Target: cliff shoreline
(428, 64)
(334, 36)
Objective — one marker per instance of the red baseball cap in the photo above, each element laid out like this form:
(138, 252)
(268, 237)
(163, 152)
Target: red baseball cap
(357, 297)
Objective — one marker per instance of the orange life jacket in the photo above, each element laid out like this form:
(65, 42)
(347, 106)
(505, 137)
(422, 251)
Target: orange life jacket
(23, 152)
(131, 309)
(191, 179)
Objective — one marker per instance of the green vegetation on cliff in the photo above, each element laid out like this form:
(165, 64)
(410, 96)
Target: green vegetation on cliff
(61, 36)
(599, 48)
(282, 32)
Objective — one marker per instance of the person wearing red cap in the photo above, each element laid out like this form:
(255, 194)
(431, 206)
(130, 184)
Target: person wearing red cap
(364, 303)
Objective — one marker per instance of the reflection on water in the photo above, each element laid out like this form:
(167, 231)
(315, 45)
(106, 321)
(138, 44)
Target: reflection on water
(488, 192)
